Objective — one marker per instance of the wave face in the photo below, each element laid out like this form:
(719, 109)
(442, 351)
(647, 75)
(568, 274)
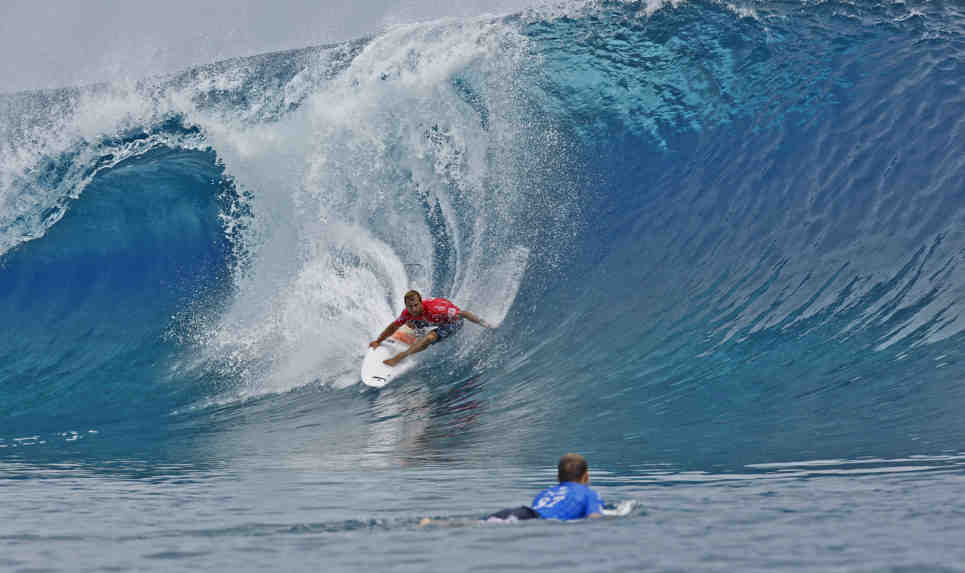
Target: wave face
(711, 233)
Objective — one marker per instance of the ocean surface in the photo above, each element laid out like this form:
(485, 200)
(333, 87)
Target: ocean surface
(723, 241)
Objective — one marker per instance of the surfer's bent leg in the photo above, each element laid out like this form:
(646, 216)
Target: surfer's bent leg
(419, 346)
(437, 334)
(447, 330)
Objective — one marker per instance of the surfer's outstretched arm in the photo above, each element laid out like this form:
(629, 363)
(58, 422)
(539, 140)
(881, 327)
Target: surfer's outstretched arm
(389, 331)
(473, 318)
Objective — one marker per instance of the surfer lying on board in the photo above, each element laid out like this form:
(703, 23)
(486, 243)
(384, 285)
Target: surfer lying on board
(570, 499)
(420, 313)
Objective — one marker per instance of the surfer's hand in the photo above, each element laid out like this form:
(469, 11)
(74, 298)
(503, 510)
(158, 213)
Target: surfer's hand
(374, 344)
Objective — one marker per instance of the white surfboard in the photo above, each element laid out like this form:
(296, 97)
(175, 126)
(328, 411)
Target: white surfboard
(376, 373)
(622, 509)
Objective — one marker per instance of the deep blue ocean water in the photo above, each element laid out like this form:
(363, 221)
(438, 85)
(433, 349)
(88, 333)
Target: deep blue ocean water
(723, 243)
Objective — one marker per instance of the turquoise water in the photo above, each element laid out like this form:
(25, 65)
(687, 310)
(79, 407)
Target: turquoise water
(722, 243)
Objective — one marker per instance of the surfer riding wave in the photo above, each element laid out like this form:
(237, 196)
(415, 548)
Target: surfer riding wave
(421, 314)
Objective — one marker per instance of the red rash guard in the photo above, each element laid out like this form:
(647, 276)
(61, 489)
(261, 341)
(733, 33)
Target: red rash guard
(434, 310)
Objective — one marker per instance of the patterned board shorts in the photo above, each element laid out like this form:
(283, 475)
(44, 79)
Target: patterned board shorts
(443, 330)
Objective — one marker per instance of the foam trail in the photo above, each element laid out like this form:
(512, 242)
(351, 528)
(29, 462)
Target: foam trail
(493, 292)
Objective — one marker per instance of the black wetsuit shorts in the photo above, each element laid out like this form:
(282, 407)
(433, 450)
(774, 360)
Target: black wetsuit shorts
(521, 512)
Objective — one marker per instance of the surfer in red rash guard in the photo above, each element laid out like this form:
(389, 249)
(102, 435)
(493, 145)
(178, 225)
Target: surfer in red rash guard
(421, 313)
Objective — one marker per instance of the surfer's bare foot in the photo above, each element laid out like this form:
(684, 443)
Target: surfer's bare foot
(393, 361)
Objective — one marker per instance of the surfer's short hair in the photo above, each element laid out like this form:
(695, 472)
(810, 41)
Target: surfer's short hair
(412, 293)
(571, 468)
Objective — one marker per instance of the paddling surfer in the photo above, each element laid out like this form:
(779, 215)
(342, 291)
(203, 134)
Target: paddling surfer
(570, 499)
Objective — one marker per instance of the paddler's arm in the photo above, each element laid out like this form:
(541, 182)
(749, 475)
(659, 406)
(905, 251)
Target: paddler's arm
(389, 331)
(473, 318)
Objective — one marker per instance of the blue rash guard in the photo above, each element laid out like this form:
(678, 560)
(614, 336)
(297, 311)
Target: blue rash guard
(568, 500)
